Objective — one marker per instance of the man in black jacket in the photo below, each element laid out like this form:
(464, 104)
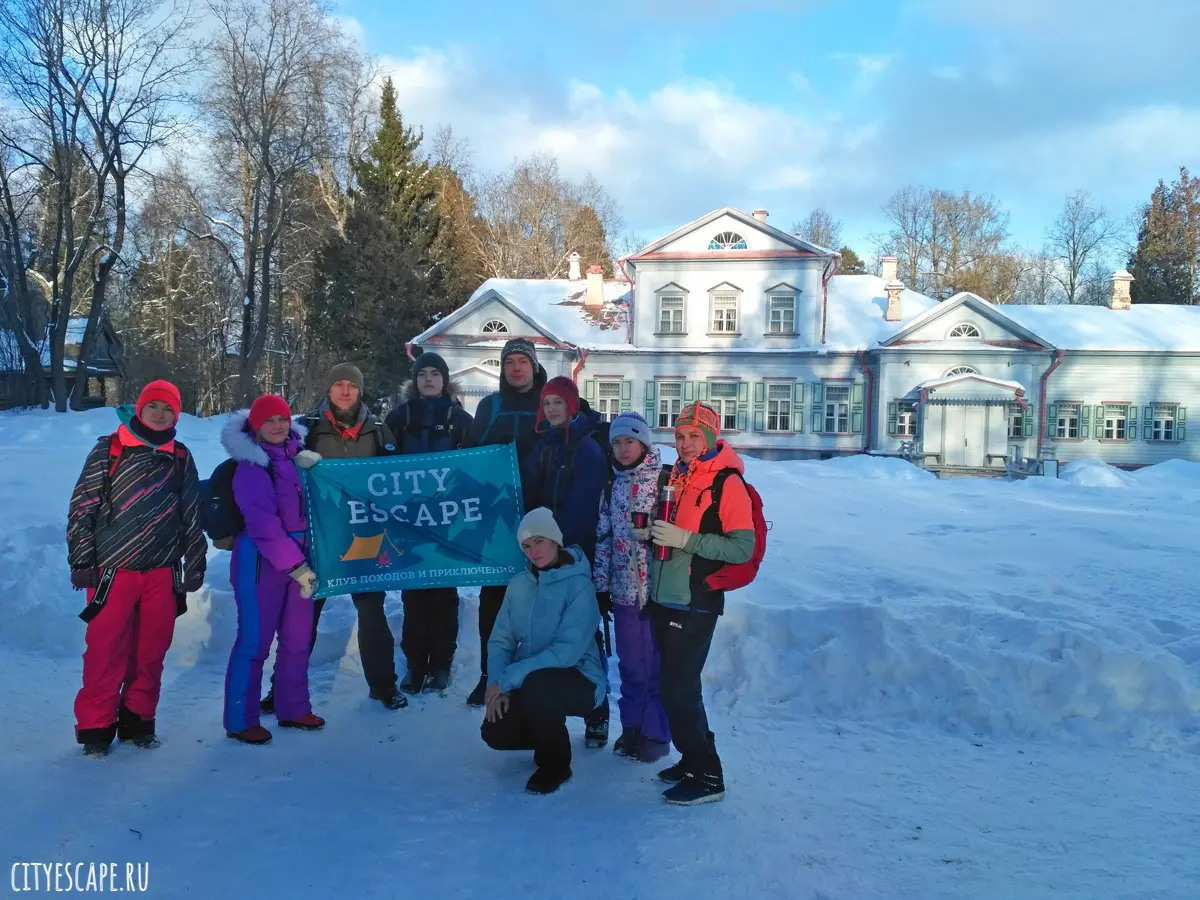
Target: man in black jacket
(507, 415)
(342, 427)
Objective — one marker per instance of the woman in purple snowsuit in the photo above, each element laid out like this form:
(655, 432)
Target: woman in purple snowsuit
(622, 579)
(272, 582)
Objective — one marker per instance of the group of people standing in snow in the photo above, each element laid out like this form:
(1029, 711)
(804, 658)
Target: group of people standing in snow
(596, 552)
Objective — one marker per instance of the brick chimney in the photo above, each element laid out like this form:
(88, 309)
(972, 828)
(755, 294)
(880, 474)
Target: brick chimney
(761, 215)
(1120, 281)
(574, 260)
(895, 290)
(887, 268)
(594, 298)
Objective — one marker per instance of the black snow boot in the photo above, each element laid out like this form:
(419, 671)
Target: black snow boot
(547, 781)
(135, 730)
(704, 783)
(627, 743)
(96, 741)
(596, 731)
(673, 774)
(267, 704)
(413, 682)
(95, 750)
(390, 697)
(475, 698)
(438, 681)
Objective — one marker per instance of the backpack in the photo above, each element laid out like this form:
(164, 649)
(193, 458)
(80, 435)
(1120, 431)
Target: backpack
(220, 516)
(731, 576)
(414, 429)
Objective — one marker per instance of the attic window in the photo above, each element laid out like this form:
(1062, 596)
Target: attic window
(727, 240)
(491, 362)
(964, 330)
(494, 326)
(961, 370)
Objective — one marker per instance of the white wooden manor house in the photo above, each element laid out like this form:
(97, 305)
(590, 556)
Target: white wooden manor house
(803, 362)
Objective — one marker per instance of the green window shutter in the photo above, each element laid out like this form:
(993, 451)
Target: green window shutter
(1085, 420)
(689, 391)
(1180, 423)
(1131, 423)
(651, 390)
(798, 393)
(760, 393)
(589, 389)
(893, 412)
(651, 406)
(818, 409)
(759, 423)
(704, 391)
(856, 409)
(1147, 423)
(1099, 423)
(1027, 421)
(798, 407)
(741, 420)
(1052, 421)
(626, 395)
(743, 392)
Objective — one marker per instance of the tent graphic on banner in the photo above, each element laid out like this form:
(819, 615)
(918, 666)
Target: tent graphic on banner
(364, 548)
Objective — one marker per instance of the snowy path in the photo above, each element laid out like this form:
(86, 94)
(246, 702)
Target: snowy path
(413, 804)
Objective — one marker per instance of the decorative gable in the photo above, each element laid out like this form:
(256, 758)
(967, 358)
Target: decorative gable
(965, 318)
(728, 233)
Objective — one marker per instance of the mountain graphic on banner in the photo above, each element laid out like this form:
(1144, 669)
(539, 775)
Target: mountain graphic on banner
(363, 548)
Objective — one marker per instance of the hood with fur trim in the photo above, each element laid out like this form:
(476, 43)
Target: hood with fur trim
(240, 443)
(408, 391)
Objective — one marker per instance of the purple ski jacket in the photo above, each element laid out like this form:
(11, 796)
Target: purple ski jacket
(271, 502)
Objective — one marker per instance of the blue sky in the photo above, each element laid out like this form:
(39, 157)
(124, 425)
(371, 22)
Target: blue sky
(682, 106)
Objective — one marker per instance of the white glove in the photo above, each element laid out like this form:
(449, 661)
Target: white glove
(642, 534)
(667, 535)
(306, 459)
(307, 579)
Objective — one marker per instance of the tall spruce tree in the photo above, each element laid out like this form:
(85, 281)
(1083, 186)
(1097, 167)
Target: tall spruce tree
(1164, 265)
(586, 236)
(377, 286)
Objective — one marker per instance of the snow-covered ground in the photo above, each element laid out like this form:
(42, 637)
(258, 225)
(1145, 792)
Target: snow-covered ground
(935, 689)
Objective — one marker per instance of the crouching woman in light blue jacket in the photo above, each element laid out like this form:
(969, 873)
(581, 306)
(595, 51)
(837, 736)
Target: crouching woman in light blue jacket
(543, 660)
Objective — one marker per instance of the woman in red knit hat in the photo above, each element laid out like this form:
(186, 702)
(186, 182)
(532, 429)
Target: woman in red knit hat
(273, 584)
(134, 543)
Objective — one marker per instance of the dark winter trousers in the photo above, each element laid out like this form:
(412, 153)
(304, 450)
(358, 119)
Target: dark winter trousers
(126, 645)
(376, 646)
(639, 666)
(684, 638)
(537, 716)
(491, 598)
(430, 632)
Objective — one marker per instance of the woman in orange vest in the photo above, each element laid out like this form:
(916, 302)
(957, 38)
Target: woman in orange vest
(702, 536)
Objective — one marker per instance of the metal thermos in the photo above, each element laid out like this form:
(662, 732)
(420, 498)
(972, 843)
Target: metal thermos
(666, 512)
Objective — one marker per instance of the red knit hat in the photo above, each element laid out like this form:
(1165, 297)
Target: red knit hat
(701, 418)
(159, 390)
(563, 387)
(266, 407)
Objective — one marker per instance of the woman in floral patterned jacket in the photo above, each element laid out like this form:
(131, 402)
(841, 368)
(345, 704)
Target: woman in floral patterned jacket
(621, 575)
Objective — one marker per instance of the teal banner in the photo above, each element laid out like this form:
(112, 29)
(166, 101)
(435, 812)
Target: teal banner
(430, 520)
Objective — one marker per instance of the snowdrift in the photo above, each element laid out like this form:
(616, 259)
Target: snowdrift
(975, 607)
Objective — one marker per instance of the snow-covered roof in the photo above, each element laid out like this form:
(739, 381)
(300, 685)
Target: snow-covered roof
(856, 308)
(555, 306)
(933, 384)
(1145, 326)
(10, 349)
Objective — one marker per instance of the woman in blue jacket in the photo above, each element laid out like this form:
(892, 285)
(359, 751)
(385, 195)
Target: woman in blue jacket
(543, 662)
(429, 420)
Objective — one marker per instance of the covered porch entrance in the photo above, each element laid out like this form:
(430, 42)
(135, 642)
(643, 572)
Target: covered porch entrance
(963, 421)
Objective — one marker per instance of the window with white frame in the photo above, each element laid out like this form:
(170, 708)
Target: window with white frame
(670, 315)
(964, 330)
(491, 362)
(670, 401)
(1116, 422)
(906, 418)
(1067, 424)
(1016, 420)
(1163, 416)
(723, 397)
(724, 313)
(837, 409)
(494, 326)
(727, 240)
(961, 370)
(782, 315)
(608, 399)
(779, 407)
